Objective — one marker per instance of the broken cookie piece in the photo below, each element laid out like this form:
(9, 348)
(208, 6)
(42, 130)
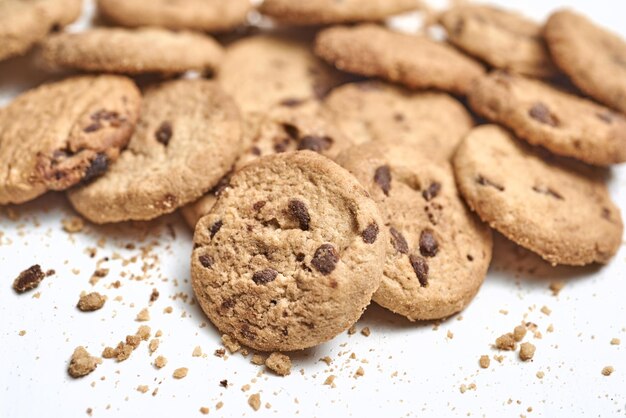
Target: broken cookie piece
(82, 363)
(279, 363)
(28, 279)
(91, 302)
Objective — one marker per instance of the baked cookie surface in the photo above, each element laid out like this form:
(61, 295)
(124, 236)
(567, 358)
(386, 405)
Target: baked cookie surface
(332, 11)
(554, 210)
(201, 15)
(438, 252)
(435, 123)
(137, 51)
(563, 123)
(64, 133)
(290, 255)
(414, 61)
(188, 137)
(504, 39)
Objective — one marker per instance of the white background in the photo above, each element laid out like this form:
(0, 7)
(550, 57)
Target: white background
(410, 369)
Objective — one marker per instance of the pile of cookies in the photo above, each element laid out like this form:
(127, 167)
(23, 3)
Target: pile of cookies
(312, 189)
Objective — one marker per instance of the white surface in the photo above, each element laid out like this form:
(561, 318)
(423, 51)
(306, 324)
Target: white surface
(430, 367)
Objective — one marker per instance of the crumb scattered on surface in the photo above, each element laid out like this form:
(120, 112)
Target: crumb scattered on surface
(230, 343)
(540, 374)
(526, 351)
(143, 315)
(160, 362)
(327, 360)
(197, 352)
(91, 302)
(22, 333)
(143, 388)
(450, 335)
(255, 401)
(556, 287)
(73, 224)
(615, 341)
(484, 361)
(204, 410)
(82, 363)
(545, 310)
(352, 330)
(180, 373)
(519, 332)
(330, 380)
(154, 296)
(608, 370)
(258, 359)
(219, 405)
(279, 363)
(464, 388)
(359, 372)
(29, 279)
(366, 331)
(154, 345)
(506, 342)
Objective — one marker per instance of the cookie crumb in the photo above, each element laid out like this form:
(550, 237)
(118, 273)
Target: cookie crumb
(219, 405)
(28, 279)
(255, 401)
(258, 359)
(180, 373)
(160, 362)
(279, 363)
(352, 330)
(154, 296)
(545, 310)
(143, 315)
(556, 287)
(73, 224)
(143, 388)
(326, 360)
(197, 352)
(506, 342)
(330, 380)
(608, 370)
(540, 374)
(449, 335)
(82, 363)
(168, 310)
(220, 352)
(359, 372)
(615, 341)
(22, 333)
(366, 331)
(484, 361)
(204, 410)
(498, 358)
(519, 332)
(91, 302)
(230, 343)
(245, 388)
(154, 345)
(526, 351)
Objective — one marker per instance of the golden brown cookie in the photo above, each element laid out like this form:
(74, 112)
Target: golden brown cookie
(187, 138)
(502, 38)
(290, 255)
(432, 122)
(64, 133)
(563, 123)
(438, 252)
(552, 209)
(412, 60)
(592, 56)
(200, 15)
(145, 50)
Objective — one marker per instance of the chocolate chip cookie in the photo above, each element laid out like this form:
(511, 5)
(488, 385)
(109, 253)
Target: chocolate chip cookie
(146, 50)
(24, 23)
(263, 71)
(432, 122)
(291, 253)
(200, 15)
(412, 60)
(542, 115)
(502, 38)
(593, 57)
(536, 200)
(64, 133)
(331, 11)
(438, 251)
(187, 138)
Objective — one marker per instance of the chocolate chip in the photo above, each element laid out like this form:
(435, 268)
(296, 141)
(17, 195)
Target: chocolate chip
(315, 143)
(470, 257)
(539, 111)
(291, 102)
(606, 117)
(547, 191)
(92, 127)
(432, 191)
(164, 133)
(216, 227)
(428, 244)
(325, 259)
(420, 267)
(382, 177)
(398, 241)
(264, 276)
(300, 257)
(370, 233)
(28, 279)
(259, 205)
(292, 130)
(223, 183)
(246, 333)
(483, 181)
(206, 261)
(228, 303)
(224, 383)
(299, 211)
(255, 151)
(282, 146)
(97, 167)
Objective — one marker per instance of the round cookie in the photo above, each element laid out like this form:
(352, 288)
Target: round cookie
(552, 209)
(24, 23)
(263, 71)
(145, 50)
(331, 11)
(542, 115)
(290, 255)
(200, 15)
(502, 38)
(593, 57)
(295, 126)
(412, 60)
(432, 122)
(64, 133)
(187, 138)
(438, 252)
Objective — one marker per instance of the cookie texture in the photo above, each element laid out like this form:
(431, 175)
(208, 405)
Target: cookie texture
(593, 57)
(432, 122)
(502, 38)
(332, 11)
(64, 133)
(146, 50)
(438, 252)
(562, 212)
(263, 71)
(414, 61)
(563, 123)
(292, 126)
(290, 255)
(188, 136)
(24, 23)
(201, 15)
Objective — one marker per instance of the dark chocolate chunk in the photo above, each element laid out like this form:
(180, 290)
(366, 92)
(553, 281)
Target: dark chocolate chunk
(548, 191)
(97, 167)
(398, 241)
(282, 145)
(382, 177)
(264, 276)
(300, 257)
(291, 102)
(291, 130)
(93, 127)
(228, 303)
(216, 227)
(259, 205)
(299, 211)
(206, 261)
(420, 267)
(28, 279)
(540, 112)
(164, 133)
(224, 383)
(432, 191)
(428, 244)
(483, 181)
(370, 233)
(247, 333)
(315, 143)
(325, 259)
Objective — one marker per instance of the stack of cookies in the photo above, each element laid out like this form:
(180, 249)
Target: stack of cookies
(322, 173)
